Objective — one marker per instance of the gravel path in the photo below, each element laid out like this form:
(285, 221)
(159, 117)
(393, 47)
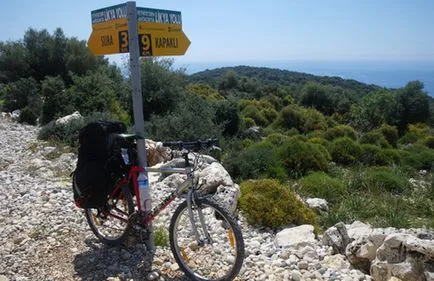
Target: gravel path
(45, 237)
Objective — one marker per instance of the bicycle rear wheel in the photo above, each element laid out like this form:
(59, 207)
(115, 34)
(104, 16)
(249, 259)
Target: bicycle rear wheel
(219, 255)
(111, 223)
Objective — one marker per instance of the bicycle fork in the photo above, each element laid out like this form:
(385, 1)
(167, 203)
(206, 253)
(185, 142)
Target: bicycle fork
(190, 203)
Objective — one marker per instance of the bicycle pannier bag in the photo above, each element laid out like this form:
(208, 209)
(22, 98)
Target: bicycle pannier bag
(91, 179)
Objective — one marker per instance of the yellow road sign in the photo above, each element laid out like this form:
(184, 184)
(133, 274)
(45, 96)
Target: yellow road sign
(153, 43)
(159, 32)
(159, 43)
(108, 41)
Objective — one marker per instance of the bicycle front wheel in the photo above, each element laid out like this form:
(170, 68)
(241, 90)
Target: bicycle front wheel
(219, 252)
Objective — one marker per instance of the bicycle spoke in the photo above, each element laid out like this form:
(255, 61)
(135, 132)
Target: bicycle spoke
(215, 258)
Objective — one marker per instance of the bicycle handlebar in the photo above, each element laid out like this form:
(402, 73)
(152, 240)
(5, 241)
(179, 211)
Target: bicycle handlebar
(192, 145)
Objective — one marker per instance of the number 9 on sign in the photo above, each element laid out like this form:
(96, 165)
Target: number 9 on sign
(145, 44)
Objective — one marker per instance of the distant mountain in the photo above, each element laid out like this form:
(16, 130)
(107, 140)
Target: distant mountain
(269, 76)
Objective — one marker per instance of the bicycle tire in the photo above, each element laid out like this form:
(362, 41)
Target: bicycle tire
(183, 253)
(124, 197)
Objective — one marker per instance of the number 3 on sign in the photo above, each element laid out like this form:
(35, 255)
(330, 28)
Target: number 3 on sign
(123, 41)
(145, 45)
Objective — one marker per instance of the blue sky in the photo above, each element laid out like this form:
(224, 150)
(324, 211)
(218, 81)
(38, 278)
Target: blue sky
(275, 30)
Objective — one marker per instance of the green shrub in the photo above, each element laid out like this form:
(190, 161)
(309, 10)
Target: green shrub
(409, 138)
(376, 138)
(290, 117)
(350, 208)
(253, 112)
(277, 139)
(345, 151)
(256, 161)
(161, 237)
(270, 114)
(392, 155)
(380, 180)
(392, 211)
(372, 155)
(318, 140)
(314, 120)
(299, 157)
(390, 133)
(339, 132)
(319, 184)
(267, 203)
(248, 122)
(418, 157)
(429, 142)
(28, 116)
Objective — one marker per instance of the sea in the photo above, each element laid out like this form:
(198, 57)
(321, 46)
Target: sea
(390, 74)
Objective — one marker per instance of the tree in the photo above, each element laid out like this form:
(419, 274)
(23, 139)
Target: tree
(13, 62)
(20, 94)
(414, 105)
(191, 119)
(56, 100)
(315, 95)
(162, 86)
(228, 81)
(374, 110)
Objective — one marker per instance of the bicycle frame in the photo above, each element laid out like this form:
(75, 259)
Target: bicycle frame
(132, 176)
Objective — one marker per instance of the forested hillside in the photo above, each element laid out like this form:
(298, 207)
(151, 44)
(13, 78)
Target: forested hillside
(367, 150)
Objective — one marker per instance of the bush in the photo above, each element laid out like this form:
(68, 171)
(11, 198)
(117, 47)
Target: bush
(418, 157)
(428, 142)
(319, 184)
(390, 133)
(256, 161)
(290, 117)
(191, 119)
(339, 132)
(277, 139)
(373, 155)
(380, 180)
(345, 151)
(376, 138)
(409, 138)
(253, 112)
(267, 203)
(28, 116)
(314, 120)
(299, 157)
(318, 140)
(248, 122)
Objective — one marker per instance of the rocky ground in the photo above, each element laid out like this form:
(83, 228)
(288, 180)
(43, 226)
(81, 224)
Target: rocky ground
(45, 237)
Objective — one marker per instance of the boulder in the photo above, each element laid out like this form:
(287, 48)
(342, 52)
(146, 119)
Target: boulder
(210, 177)
(337, 237)
(405, 257)
(362, 252)
(295, 237)
(156, 152)
(68, 118)
(317, 203)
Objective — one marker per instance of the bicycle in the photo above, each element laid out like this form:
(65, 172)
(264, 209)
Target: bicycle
(200, 230)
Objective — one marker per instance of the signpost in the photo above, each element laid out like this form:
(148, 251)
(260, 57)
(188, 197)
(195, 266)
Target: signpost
(124, 28)
(159, 32)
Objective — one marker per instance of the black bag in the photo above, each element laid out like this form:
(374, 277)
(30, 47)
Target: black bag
(93, 179)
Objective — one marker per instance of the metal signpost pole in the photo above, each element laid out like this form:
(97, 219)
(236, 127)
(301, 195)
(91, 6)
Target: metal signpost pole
(139, 124)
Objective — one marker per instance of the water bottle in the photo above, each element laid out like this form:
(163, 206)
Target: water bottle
(125, 157)
(145, 195)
